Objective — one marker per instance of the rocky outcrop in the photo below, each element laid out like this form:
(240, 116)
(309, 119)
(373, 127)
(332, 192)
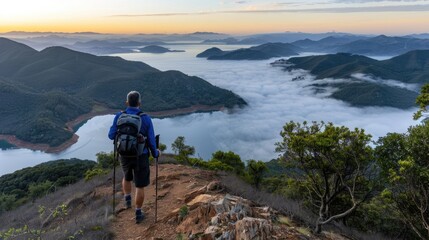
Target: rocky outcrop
(223, 216)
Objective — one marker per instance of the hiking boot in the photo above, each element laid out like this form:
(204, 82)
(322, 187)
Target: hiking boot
(128, 201)
(139, 216)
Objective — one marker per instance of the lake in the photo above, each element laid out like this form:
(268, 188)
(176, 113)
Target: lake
(252, 132)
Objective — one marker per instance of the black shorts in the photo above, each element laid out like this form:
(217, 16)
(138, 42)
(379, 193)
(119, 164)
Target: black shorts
(136, 170)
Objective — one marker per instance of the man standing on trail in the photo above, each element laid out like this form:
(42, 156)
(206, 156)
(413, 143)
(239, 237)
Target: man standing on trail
(135, 165)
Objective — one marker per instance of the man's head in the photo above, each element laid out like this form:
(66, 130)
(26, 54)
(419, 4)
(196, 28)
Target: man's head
(133, 99)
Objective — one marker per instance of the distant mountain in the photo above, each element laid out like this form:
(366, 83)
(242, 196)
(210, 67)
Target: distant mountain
(420, 35)
(211, 52)
(261, 52)
(229, 40)
(234, 41)
(289, 37)
(384, 46)
(41, 91)
(328, 44)
(392, 82)
(207, 33)
(157, 49)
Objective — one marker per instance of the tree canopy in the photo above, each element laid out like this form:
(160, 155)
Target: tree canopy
(333, 166)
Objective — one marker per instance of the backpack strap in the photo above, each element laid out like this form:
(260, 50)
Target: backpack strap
(140, 113)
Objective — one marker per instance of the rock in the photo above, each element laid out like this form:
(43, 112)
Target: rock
(227, 236)
(253, 229)
(211, 232)
(263, 212)
(197, 220)
(219, 206)
(215, 186)
(193, 194)
(215, 220)
(203, 198)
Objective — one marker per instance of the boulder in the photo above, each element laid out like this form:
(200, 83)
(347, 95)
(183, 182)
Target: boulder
(203, 198)
(253, 229)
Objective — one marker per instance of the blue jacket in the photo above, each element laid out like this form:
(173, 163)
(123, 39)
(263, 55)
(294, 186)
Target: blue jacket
(146, 129)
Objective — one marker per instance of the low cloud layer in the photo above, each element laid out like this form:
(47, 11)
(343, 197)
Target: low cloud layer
(391, 83)
(274, 99)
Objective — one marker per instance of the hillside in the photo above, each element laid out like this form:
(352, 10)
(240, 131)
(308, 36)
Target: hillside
(261, 52)
(204, 206)
(157, 49)
(372, 83)
(41, 91)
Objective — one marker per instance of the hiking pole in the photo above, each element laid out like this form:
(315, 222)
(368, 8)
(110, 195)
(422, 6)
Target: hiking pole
(156, 179)
(114, 178)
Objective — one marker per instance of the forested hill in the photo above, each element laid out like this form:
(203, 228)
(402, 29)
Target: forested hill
(261, 52)
(41, 91)
(411, 67)
(393, 82)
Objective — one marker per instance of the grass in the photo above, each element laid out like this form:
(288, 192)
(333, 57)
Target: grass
(73, 212)
(286, 221)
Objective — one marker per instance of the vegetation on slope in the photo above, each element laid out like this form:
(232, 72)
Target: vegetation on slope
(33, 182)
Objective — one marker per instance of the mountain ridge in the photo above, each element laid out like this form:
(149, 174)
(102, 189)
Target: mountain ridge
(409, 68)
(57, 85)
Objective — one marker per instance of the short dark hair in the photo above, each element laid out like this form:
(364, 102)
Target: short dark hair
(133, 99)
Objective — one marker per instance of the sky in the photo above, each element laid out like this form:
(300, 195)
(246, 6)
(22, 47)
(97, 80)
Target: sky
(226, 16)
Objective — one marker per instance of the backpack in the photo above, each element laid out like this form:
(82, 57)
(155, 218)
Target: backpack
(128, 135)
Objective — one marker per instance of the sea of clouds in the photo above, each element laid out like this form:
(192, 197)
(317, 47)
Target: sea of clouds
(273, 98)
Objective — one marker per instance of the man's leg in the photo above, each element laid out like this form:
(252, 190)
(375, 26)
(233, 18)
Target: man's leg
(139, 197)
(126, 181)
(126, 186)
(142, 179)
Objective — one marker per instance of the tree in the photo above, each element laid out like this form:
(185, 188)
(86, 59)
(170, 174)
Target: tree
(105, 160)
(422, 101)
(178, 144)
(231, 159)
(184, 151)
(405, 168)
(7, 202)
(332, 163)
(40, 189)
(256, 171)
(162, 147)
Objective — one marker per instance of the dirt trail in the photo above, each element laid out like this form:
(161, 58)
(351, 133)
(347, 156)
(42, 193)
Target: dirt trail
(175, 183)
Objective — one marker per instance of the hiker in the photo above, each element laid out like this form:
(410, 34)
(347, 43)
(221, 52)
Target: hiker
(133, 149)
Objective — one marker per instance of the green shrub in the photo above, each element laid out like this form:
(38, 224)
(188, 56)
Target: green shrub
(90, 174)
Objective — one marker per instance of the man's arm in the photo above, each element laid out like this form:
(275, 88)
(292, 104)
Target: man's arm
(113, 128)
